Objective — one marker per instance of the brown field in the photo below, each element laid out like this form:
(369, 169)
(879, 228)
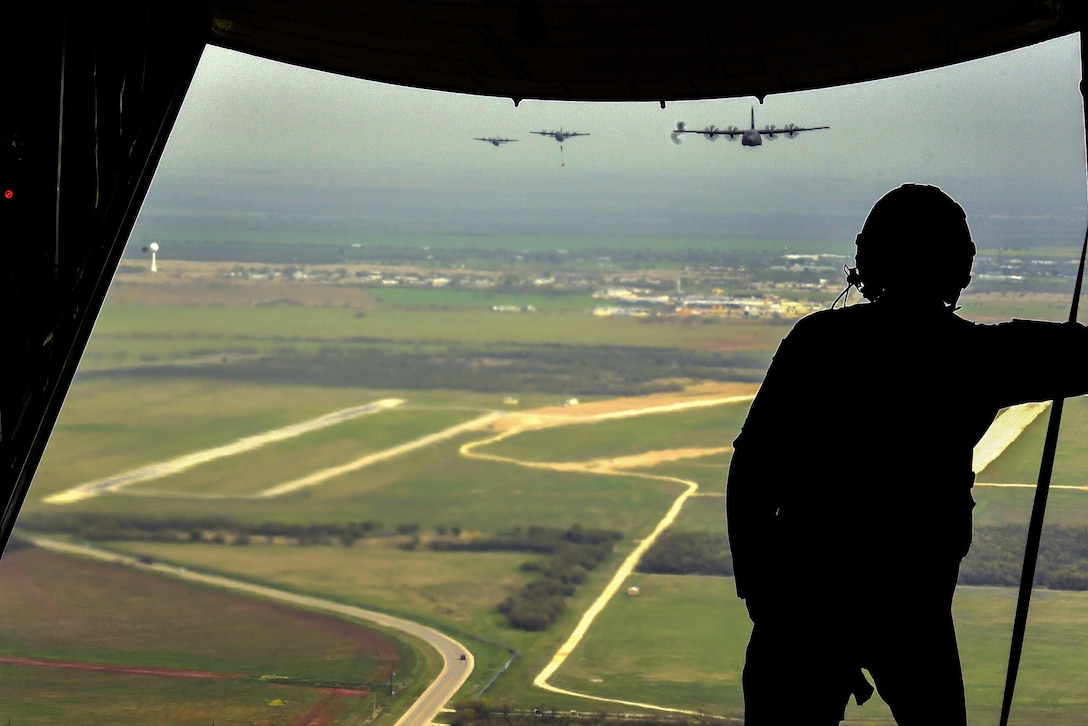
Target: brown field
(151, 641)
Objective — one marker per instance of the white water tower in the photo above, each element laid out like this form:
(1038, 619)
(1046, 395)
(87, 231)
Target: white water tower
(154, 247)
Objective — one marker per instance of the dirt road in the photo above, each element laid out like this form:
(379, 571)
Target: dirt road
(187, 461)
(319, 477)
(515, 424)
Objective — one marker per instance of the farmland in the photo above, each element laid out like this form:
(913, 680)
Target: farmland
(198, 359)
(102, 642)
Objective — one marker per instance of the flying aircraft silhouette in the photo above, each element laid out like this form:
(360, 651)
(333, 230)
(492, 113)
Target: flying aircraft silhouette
(559, 135)
(493, 140)
(748, 137)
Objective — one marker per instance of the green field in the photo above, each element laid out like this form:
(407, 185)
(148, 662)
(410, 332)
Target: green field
(144, 334)
(681, 642)
(153, 389)
(314, 232)
(1020, 462)
(709, 427)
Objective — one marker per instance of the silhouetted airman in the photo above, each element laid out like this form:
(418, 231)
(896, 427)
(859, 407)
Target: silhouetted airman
(849, 493)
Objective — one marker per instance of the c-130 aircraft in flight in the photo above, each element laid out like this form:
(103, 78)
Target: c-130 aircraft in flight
(494, 140)
(748, 137)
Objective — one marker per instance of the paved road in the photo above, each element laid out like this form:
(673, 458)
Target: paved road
(454, 670)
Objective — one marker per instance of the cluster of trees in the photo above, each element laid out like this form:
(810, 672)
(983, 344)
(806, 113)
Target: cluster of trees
(688, 553)
(118, 527)
(996, 557)
(547, 368)
(570, 555)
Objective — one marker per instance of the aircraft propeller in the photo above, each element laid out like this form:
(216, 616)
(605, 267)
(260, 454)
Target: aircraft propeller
(791, 130)
(732, 133)
(675, 135)
(772, 131)
(711, 132)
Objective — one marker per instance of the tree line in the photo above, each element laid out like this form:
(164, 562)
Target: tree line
(119, 527)
(996, 557)
(560, 369)
(688, 553)
(570, 554)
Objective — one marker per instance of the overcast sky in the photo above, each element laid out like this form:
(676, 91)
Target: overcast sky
(1007, 130)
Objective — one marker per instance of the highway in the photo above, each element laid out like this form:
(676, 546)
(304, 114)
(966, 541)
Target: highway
(421, 713)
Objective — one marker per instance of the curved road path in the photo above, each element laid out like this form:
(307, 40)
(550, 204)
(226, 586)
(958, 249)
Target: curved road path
(454, 670)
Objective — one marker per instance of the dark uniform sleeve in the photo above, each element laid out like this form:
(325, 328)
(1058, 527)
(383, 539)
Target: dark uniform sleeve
(752, 494)
(750, 511)
(1033, 360)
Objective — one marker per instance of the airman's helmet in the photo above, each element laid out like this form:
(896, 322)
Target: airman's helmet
(915, 239)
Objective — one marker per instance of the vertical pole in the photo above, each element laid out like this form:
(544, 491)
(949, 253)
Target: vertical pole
(1042, 490)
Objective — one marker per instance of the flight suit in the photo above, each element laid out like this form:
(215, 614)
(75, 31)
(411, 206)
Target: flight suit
(849, 500)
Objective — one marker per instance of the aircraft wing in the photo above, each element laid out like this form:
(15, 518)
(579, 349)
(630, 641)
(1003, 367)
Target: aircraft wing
(788, 130)
(557, 134)
(710, 132)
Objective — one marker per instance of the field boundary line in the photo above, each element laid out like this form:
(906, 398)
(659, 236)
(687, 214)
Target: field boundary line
(1067, 487)
(181, 463)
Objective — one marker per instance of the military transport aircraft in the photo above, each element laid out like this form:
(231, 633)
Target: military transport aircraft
(493, 140)
(559, 135)
(748, 137)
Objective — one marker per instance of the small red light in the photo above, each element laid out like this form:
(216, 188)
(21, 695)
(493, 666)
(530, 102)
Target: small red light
(9, 194)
